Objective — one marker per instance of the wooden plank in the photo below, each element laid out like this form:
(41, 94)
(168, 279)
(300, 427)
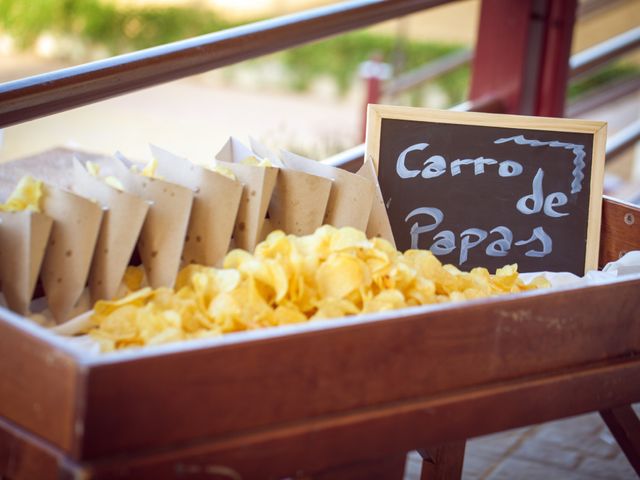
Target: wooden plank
(313, 445)
(443, 462)
(38, 382)
(26, 457)
(207, 392)
(620, 231)
(625, 427)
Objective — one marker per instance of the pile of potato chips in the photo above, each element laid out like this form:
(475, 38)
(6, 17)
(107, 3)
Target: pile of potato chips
(26, 196)
(331, 273)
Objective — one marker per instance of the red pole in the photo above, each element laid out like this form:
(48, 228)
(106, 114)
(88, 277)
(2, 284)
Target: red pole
(373, 96)
(522, 54)
(373, 71)
(554, 77)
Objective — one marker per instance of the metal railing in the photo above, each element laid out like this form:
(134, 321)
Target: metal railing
(61, 90)
(430, 71)
(623, 140)
(580, 63)
(351, 159)
(602, 53)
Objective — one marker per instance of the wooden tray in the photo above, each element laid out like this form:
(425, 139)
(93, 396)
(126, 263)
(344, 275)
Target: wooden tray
(305, 398)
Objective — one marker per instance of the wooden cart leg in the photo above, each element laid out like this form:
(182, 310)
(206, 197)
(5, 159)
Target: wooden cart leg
(443, 462)
(625, 427)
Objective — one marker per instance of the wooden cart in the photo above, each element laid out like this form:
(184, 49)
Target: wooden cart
(349, 398)
(338, 399)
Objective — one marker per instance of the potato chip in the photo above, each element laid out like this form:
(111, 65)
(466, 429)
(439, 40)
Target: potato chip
(134, 278)
(331, 273)
(26, 196)
(385, 300)
(150, 168)
(218, 167)
(94, 170)
(254, 161)
(333, 308)
(340, 275)
(113, 182)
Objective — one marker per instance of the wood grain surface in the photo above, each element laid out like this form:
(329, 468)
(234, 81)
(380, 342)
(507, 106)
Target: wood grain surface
(620, 230)
(625, 427)
(39, 383)
(24, 456)
(207, 392)
(309, 446)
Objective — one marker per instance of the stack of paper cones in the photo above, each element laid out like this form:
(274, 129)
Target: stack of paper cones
(215, 207)
(258, 183)
(299, 200)
(122, 222)
(163, 232)
(351, 197)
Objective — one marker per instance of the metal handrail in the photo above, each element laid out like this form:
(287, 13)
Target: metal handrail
(604, 52)
(602, 95)
(429, 71)
(351, 159)
(624, 139)
(54, 92)
(579, 63)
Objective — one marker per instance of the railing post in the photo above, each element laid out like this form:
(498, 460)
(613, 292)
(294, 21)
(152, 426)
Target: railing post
(373, 72)
(522, 54)
(555, 71)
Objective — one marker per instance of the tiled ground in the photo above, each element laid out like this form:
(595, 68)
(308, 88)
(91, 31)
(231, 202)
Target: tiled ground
(576, 448)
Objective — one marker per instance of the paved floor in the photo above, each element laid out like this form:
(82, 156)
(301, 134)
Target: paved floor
(571, 449)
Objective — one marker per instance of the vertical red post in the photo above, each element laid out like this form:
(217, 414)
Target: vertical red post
(555, 72)
(373, 96)
(373, 72)
(522, 54)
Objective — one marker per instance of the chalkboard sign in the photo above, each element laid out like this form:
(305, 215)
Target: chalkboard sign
(489, 190)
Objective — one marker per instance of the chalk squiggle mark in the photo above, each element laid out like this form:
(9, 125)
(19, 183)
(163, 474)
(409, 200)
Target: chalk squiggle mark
(577, 150)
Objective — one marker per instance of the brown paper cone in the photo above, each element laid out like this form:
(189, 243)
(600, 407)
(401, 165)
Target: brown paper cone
(351, 196)
(299, 202)
(121, 225)
(23, 239)
(76, 223)
(258, 184)
(163, 233)
(215, 207)
(378, 225)
(267, 228)
(79, 324)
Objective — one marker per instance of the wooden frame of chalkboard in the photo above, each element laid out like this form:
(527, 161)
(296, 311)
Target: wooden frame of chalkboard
(488, 190)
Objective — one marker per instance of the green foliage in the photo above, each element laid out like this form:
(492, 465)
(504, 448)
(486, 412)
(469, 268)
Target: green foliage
(118, 28)
(339, 57)
(124, 28)
(121, 28)
(612, 72)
